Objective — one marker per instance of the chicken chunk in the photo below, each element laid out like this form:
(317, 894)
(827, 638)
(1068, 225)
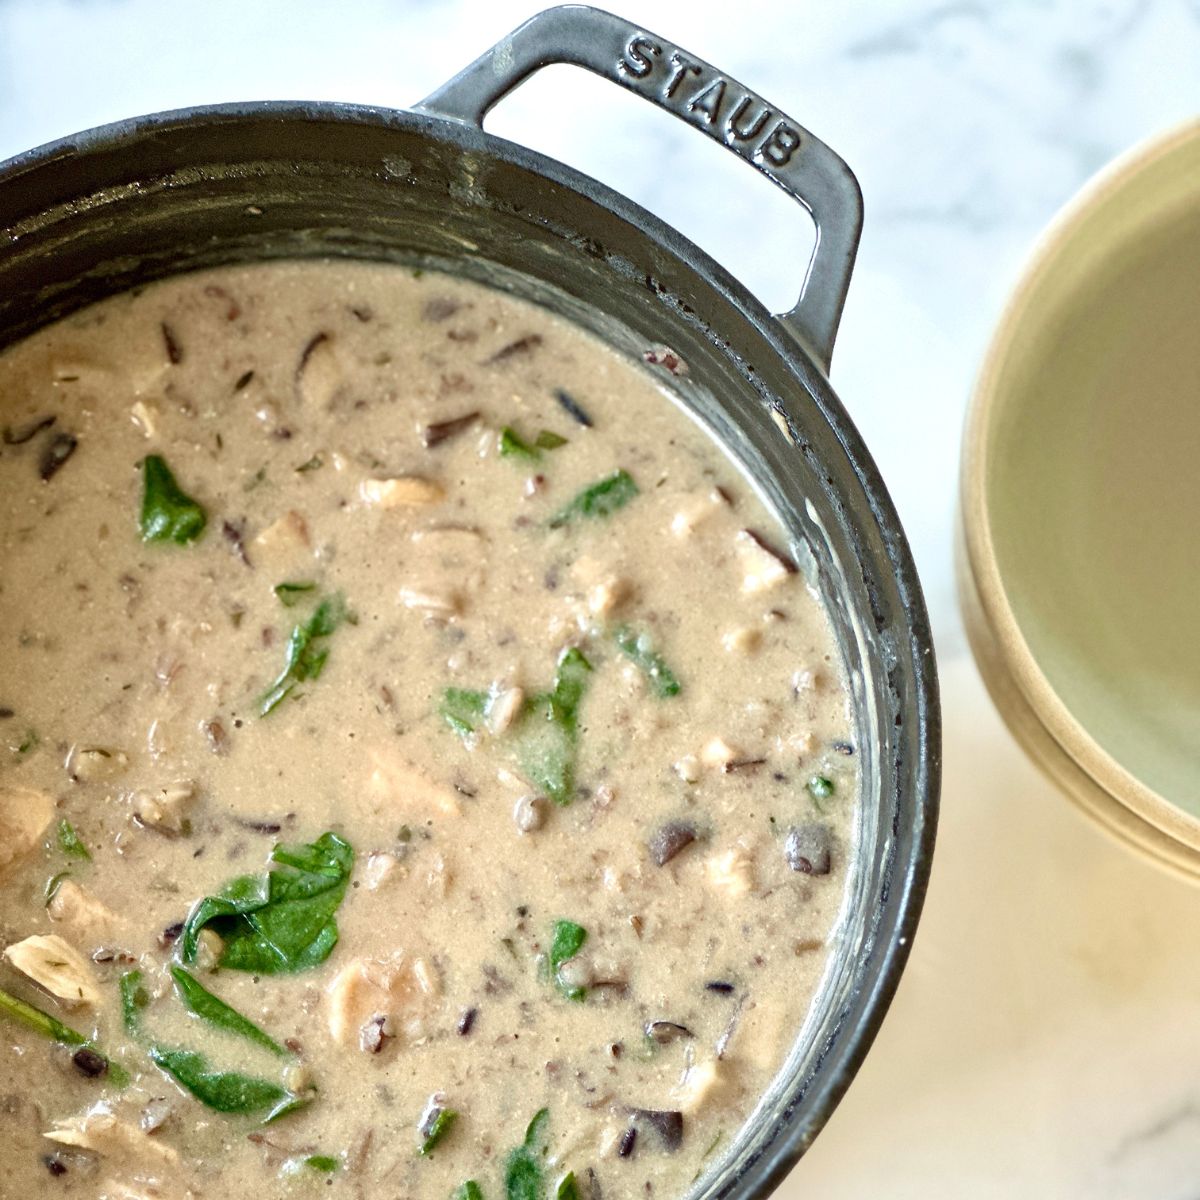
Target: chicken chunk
(24, 816)
(103, 1132)
(398, 782)
(56, 965)
(383, 995)
(84, 916)
(407, 491)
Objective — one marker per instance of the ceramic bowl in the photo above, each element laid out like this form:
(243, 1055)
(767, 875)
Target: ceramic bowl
(1079, 547)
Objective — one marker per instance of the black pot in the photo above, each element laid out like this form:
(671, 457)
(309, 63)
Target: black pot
(118, 206)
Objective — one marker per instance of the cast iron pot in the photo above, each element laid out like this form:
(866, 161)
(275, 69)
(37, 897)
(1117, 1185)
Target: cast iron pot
(118, 206)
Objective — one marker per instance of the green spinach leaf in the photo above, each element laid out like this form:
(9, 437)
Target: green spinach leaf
(225, 1091)
(168, 513)
(463, 709)
(567, 941)
(290, 594)
(278, 921)
(523, 1176)
(134, 998)
(544, 736)
(638, 647)
(199, 1000)
(600, 499)
(567, 1188)
(547, 733)
(53, 1029)
(69, 843)
(322, 1162)
(306, 652)
(468, 1191)
(437, 1129)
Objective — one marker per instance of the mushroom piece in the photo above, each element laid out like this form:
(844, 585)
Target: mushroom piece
(807, 848)
(670, 839)
(406, 491)
(58, 967)
(164, 809)
(25, 813)
(667, 1124)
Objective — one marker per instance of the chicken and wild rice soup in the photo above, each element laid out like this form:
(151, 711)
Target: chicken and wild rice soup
(423, 771)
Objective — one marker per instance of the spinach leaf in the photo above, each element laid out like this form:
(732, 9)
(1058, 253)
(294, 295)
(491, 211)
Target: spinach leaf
(69, 843)
(40, 1022)
(638, 647)
(567, 1188)
(820, 788)
(523, 1168)
(279, 921)
(463, 709)
(567, 942)
(134, 998)
(600, 499)
(27, 744)
(53, 1029)
(168, 513)
(226, 1091)
(437, 1129)
(322, 1162)
(512, 445)
(290, 594)
(306, 652)
(468, 1191)
(215, 1011)
(547, 733)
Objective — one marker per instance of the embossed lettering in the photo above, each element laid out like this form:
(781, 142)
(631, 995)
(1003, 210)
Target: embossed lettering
(708, 101)
(740, 131)
(682, 68)
(637, 60)
(780, 144)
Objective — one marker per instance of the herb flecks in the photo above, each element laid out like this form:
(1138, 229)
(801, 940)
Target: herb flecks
(168, 513)
(278, 921)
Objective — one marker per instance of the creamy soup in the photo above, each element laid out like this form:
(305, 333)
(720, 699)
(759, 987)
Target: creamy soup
(423, 771)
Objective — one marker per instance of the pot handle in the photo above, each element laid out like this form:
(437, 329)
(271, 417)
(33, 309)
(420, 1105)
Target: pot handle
(686, 86)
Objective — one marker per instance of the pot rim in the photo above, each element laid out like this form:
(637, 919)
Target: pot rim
(908, 850)
(977, 548)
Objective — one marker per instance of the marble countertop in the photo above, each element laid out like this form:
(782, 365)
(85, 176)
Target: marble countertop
(1044, 1041)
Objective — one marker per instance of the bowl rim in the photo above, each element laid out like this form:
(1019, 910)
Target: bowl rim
(977, 548)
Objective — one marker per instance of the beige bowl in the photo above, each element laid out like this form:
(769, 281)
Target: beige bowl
(1079, 547)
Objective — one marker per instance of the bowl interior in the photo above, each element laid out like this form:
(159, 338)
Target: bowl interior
(1090, 470)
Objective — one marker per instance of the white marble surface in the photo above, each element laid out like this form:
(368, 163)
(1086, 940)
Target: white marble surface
(1045, 1041)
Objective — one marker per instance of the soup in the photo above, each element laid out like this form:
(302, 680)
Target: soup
(423, 770)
